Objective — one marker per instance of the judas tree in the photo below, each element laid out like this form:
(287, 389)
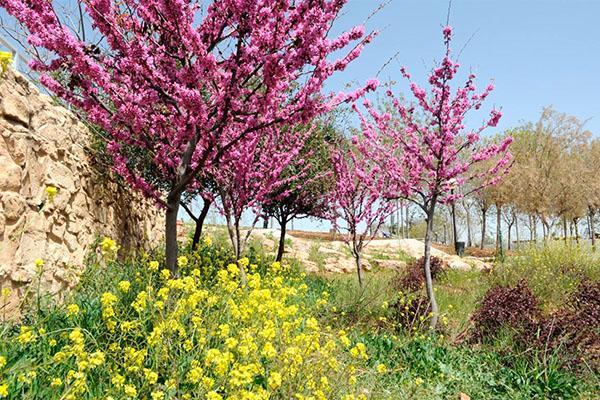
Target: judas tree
(306, 182)
(183, 82)
(359, 198)
(245, 178)
(430, 139)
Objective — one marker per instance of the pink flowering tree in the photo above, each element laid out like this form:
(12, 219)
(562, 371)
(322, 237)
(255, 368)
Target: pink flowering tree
(427, 149)
(180, 83)
(360, 200)
(306, 181)
(245, 178)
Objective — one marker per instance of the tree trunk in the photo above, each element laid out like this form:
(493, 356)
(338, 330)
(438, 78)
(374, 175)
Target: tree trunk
(200, 224)
(565, 228)
(517, 244)
(591, 227)
(445, 233)
(545, 228)
(266, 223)
(483, 221)
(239, 250)
(498, 227)
(359, 270)
(576, 227)
(508, 237)
(171, 249)
(468, 216)
(427, 266)
(281, 248)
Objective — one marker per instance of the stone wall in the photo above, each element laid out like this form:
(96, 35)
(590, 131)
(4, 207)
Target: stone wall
(43, 144)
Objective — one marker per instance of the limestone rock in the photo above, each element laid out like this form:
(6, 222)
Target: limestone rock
(10, 175)
(13, 205)
(15, 107)
(43, 144)
(391, 264)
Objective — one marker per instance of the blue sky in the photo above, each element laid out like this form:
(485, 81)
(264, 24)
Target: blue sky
(537, 53)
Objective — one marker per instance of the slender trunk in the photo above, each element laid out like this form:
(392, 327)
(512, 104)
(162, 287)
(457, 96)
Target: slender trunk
(239, 250)
(454, 233)
(483, 221)
(576, 227)
(427, 266)
(359, 270)
(200, 224)
(508, 236)
(565, 228)
(498, 227)
(171, 249)
(231, 232)
(546, 229)
(399, 228)
(238, 240)
(517, 232)
(591, 227)
(266, 223)
(468, 216)
(445, 234)
(280, 249)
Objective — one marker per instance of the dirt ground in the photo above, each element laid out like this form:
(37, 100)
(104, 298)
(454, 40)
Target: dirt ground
(327, 252)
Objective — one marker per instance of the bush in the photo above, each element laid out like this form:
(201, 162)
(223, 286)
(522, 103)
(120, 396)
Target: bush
(147, 335)
(513, 307)
(570, 333)
(411, 313)
(413, 278)
(572, 330)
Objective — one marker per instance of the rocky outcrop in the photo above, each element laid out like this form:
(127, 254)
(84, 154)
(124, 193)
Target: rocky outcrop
(43, 145)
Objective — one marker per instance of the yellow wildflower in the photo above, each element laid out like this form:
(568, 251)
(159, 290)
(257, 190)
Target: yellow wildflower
(274, 380)
(381, 368)
(72, 310)
(51, 192)
(109, 247)
(153, 266)
(4, 390)
(124, 286)
(130, 391)
(56, 382)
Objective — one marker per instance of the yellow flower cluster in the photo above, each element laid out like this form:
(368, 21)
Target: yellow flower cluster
(109, 248)
(51, 192)
(203, 335)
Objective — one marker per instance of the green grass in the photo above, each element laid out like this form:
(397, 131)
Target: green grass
(419, 366)
(316, 256)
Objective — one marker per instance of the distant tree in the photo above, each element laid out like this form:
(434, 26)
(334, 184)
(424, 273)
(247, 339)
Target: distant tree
(359, 198)
(307, 181)
(245, 179)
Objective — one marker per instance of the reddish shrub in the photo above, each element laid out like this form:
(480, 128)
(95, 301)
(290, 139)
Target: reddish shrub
(504, 306)
(412, 313)
(413, 278)
(574, 329)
